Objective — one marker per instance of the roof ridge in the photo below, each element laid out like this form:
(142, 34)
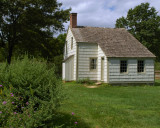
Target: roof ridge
(96, 27)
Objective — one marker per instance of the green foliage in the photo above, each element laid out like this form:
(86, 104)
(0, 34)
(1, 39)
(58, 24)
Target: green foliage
(16, 113)
(85, 81)
(121, 23)
(55, 56)
(28, 25)
(157, 65)
(58, 65)
(52, 48)
(143, 22)
(61, 41)
(2, 54)
(105, 84)
(35, 87)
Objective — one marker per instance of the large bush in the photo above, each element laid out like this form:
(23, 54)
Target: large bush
(35, 91)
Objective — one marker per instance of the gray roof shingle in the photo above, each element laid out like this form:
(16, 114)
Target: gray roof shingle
(115, 42)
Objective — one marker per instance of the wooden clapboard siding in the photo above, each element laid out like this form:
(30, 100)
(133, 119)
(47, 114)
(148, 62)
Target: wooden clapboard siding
(100, 55)
(69, 69)
(63, 71)
(85, 52)
(131, 75)
(70, 51)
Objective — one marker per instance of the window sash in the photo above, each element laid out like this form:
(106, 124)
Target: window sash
(140, 66)
(123, 66)
(93, 63)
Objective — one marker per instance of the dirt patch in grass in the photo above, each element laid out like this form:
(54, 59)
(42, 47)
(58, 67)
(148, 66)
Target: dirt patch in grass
(91, 86)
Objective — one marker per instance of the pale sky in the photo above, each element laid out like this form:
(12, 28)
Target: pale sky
(103, 13)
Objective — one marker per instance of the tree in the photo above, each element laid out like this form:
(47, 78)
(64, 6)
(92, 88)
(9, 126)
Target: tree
(58, 59)
(143, 22)
(29, 24)
(53, 47)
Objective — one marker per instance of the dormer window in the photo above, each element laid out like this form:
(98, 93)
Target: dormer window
(71, 42)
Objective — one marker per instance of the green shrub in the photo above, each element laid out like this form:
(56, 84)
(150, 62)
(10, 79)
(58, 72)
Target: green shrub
(85, 81)
(157, 65)
(105, 84)
(35, 87)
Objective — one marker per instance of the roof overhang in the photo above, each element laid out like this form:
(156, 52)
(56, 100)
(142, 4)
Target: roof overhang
(67, 58)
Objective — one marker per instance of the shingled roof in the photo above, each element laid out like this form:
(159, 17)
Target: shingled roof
(115, 42)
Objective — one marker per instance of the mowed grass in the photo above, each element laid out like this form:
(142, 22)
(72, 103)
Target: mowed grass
(112, 106)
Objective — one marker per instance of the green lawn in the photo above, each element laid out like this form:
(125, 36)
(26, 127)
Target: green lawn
(112, 106)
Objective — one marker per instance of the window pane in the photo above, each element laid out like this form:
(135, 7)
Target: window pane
(93, 63)
(140, 66)
(123, 66)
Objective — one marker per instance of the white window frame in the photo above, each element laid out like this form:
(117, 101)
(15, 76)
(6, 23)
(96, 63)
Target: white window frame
(94, 64)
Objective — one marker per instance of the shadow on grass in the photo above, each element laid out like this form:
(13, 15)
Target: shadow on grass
(64, 120)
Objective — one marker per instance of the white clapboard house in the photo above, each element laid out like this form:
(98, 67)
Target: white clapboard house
(110, 55)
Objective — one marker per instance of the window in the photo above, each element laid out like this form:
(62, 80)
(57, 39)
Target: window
(123, 66)
(93, 63)
(71, 42)
(140, 66)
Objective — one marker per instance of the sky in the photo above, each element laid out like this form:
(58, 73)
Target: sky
(102, 13)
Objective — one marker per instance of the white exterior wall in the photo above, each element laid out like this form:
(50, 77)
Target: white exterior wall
(132, 76)
(69, 69)
(100, 55)
(85, 52)
(63, 71)
(70, 52)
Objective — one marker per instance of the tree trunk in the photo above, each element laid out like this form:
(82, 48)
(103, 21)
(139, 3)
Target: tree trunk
(11, 43)
(10, 51)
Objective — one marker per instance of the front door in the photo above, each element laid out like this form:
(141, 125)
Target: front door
(102, 68)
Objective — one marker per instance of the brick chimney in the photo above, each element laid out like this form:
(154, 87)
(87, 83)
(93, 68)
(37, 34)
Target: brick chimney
(73, 20)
